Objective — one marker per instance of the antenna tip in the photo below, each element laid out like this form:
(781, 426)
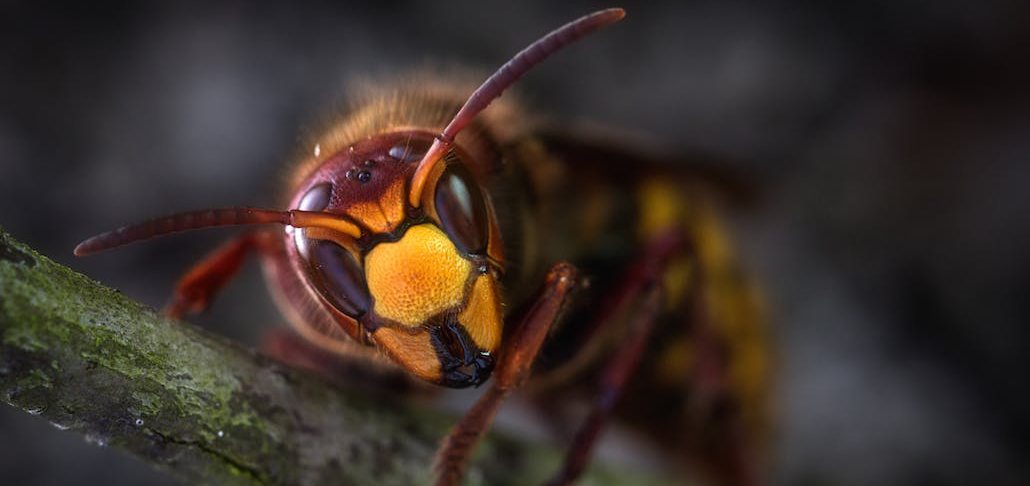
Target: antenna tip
(90, 246)
(81, 249)
(609, 14)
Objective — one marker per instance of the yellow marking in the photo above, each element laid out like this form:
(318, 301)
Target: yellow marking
(736, 314)
(677, 281)
(661, 208)
(414, 353)
(306, 219)
(676, 362)
(416, 277)
(429, 162)
(384, 215)
(370, 215)
(713, 245)
(749, 366)
(392, 202)
(482, 315)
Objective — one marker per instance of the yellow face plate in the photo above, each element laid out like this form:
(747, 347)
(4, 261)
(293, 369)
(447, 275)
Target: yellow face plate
(416, 277)
(482, 317)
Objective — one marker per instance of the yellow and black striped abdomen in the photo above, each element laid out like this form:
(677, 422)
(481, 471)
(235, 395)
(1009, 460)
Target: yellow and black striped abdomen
(705, 381)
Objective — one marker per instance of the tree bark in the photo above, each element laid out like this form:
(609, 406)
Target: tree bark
(207, 410)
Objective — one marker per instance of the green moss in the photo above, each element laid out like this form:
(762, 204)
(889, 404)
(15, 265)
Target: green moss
(24, 338)
(87, 357)
(187, 380)
(35, 379)
(148, 403)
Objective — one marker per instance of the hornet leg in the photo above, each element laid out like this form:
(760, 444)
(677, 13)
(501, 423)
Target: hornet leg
(513, 368)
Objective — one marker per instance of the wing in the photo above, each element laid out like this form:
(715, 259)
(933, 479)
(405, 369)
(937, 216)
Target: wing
(594, 147)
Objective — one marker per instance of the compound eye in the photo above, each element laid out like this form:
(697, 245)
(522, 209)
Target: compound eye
(460, 207)
(338, 277)
(316, 199)
(330, 268)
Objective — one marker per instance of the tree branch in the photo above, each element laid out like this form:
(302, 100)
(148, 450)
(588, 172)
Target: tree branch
(89, 359)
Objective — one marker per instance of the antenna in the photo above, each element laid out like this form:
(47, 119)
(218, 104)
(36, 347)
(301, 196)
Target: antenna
(212, 218)
(500, 80)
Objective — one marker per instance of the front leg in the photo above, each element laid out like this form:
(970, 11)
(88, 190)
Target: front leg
(194, 291)
(513, 368)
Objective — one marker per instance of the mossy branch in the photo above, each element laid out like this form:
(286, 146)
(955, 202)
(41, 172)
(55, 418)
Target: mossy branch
(90, 360)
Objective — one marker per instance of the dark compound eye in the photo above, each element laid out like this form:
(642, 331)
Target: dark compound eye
(459, 204)
(317, 198)
(332, 269)
(338, 277)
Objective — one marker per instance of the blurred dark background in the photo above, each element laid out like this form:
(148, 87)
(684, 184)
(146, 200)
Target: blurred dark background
(891, 138)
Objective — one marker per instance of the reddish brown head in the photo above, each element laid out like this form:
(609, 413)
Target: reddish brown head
(420, 282)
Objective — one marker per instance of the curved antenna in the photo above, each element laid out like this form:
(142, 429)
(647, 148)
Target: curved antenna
(211, 218)
(500, 80)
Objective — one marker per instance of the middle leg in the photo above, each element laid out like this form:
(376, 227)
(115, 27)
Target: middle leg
(194, 291)
(610, 386)
(641, 297)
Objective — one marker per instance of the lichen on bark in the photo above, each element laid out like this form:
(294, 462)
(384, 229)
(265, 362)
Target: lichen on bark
(207, 410)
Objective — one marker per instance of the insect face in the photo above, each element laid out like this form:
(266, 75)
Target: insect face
(391, 235)
(420, 283)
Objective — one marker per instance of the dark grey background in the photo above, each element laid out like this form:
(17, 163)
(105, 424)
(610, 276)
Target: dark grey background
(892, 139)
